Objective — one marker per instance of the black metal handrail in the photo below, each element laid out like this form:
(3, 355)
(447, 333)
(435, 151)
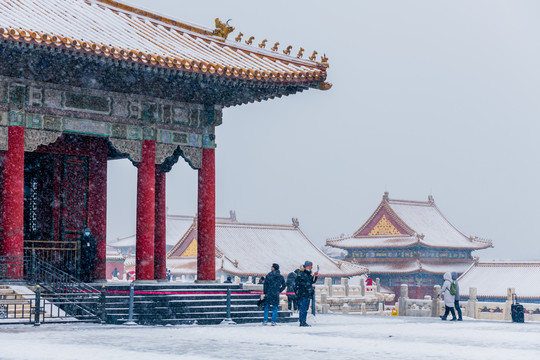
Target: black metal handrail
(65, 291)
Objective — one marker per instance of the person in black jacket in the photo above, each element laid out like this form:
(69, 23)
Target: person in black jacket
(292, 301)
(304, 290)
(274, 284)
(88, 255)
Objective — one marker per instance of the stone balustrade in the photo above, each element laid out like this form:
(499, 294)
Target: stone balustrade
(485, 310)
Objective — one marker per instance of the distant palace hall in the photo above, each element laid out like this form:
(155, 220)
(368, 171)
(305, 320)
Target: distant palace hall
(410, 242)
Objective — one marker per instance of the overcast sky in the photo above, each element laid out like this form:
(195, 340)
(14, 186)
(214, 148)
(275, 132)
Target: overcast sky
(429, 97)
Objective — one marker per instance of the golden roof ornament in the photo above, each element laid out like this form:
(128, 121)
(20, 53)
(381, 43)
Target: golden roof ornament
(222, 30)
(324, 60)
(287, 51)
(239, 37)
(323, 85)
(262, 45)
(313, 56)
(275, 47)
(300, 53)
(250, 40)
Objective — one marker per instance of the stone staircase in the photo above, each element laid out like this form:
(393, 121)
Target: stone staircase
(184, 304)
(14, 306)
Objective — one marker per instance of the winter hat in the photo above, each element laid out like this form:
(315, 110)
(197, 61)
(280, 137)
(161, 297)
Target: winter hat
(308, 263)
(275, 266)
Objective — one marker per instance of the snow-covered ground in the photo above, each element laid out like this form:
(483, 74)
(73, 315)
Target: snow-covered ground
(331, 337)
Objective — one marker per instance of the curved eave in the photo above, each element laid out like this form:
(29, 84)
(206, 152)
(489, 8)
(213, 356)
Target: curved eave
(313, 78)
(336, 244)
(381, 246)
(479, 247)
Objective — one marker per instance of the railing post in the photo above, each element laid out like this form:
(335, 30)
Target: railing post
(102, 300)
(471, 303)
(435, 308)
(228, 320)
(403, 297)
(131, 296)
(37, 306)
(313, 303)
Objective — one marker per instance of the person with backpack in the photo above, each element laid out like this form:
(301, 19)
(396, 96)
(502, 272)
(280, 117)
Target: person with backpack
(456, 297)
(448, 291)
(274, 284)
(304, 290)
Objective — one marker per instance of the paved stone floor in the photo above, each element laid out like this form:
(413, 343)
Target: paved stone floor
(330, 337)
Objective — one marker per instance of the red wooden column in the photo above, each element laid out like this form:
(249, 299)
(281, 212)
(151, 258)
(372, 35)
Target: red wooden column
(97, 204)
(206, 224)
(144, 259)
(160, 245)
(13, 199)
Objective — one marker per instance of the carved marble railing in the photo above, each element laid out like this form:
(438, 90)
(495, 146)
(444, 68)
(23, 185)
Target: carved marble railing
(484, 310)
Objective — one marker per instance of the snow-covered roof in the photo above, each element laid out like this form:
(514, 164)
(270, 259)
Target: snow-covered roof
(114, 30)
(175, 224)
(373, 242)
(416, 265)
(114, 254)
(493, 278)
(403, 223)
(246, 249)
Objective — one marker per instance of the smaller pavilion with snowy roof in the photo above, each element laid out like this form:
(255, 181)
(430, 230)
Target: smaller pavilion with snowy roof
(249, 249)
(409, 242)
(492, 279)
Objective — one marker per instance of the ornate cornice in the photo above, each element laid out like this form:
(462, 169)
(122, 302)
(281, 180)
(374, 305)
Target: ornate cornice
(132, 148)
(192, 155)
(163, 151)
(34, 138)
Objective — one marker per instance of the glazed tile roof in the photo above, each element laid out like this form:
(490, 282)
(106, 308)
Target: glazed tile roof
(421, 223)
(245, 249)
(114, 30)
(493, 278)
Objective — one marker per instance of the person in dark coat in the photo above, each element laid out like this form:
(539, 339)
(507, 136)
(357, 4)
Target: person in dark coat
(292, 301)
(305, 290)
(115, 273)
(456, 297)
(88, 255)
(274, 284)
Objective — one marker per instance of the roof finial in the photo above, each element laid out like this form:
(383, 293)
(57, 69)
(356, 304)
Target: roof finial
(239, 37)
(287, 51)
(385, 196)
(430, 199)
(222, 29)
(295, 222)
(250, 40)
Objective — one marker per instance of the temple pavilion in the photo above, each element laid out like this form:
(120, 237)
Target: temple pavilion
(410, 242)
(83, 82)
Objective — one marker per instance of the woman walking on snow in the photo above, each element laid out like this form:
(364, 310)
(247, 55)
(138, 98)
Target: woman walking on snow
(448, 297)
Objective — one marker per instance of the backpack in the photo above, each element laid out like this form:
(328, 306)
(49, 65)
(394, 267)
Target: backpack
(453, 288)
